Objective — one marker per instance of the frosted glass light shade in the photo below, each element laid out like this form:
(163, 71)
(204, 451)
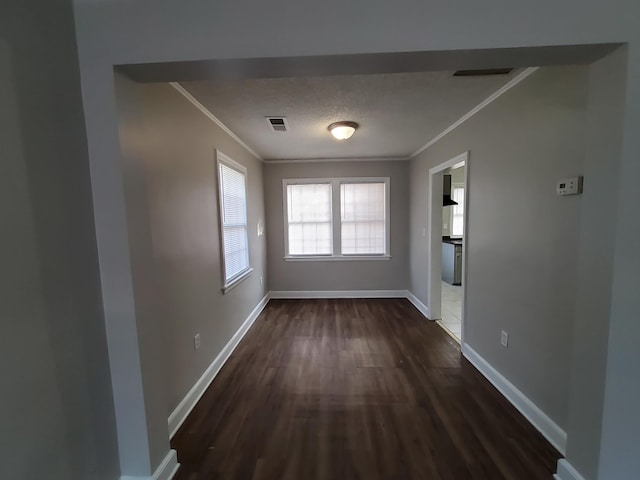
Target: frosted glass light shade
(343, 130)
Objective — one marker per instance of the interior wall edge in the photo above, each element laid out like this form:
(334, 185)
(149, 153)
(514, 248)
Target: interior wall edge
(165, 471)
(416, 302)
(182, 411)
(566, 471)
(534, 415)
(313, 294)
(207, 113)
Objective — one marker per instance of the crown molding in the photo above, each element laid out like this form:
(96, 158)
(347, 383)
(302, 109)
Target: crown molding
(338, 159)
(490, 99)
(494, 96)
(213, 118)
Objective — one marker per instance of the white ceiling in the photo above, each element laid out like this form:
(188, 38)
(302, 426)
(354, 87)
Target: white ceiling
(398, 113)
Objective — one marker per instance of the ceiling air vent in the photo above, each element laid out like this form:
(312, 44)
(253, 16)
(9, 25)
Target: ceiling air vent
(483, 73)
(278, 124)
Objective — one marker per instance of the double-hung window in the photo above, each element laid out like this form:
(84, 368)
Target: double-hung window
(232, 188)
(336, 218)
(309, 223)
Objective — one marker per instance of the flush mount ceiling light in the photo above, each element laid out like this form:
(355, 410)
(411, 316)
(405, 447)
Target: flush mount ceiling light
(343, 130)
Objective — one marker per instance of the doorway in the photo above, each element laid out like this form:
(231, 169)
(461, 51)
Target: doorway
(448, 238)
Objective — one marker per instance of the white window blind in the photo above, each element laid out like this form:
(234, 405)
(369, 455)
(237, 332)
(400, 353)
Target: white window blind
(309, 219)
(359, 232)
(457, 212)
(362, 209)
(233, 217)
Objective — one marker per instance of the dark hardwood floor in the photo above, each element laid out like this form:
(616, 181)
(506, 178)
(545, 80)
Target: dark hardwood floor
(355, 389)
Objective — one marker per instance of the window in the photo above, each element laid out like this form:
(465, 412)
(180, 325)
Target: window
(360, 231)
(233, 220)
(457, 212)
(362, 215)
(309, 219)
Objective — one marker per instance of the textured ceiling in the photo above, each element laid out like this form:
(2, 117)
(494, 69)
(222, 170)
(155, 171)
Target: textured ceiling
(398, 113)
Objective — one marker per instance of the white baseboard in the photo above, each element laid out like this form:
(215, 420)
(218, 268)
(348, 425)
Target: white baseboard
(165, 471)
(422, 308)
(547, 427)
(183, 409)
(339, 294)
(565, 471)
(302, 294)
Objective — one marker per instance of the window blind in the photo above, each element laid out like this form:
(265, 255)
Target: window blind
(234, 221)
(309, 219)
(362, 207)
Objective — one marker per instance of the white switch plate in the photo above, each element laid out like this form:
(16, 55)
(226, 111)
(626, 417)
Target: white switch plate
(570, 186)
(504, 339)
(196, 341)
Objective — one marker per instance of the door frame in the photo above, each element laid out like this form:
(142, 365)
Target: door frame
(434, 238)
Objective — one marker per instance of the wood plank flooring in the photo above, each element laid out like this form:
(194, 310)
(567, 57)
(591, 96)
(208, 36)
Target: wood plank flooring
(353, 390)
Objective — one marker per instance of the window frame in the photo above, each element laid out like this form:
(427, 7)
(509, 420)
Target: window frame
(336, 222)
(234, 280)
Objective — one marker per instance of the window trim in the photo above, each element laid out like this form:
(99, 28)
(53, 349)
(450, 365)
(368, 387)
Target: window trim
(336, 229)
(231, 282)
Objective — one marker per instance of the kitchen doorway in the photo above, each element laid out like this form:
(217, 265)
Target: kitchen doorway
(448, 237)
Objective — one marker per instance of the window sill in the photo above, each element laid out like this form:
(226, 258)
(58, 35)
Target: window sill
(335, 258)
(237, 280)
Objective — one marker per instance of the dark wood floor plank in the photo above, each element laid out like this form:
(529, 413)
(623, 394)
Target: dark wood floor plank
(355, 389)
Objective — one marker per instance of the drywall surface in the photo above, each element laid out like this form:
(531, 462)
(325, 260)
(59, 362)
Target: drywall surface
(170, 172)
(619, 454)
(113, 33)
(392, 274)
(57, 412)
(174, 33)
(457, 174)
(151, 400)
(521, 238)
(595, 261)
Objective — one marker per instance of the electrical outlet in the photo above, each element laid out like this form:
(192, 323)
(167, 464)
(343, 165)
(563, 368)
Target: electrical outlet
(196, 341)
(504, 339)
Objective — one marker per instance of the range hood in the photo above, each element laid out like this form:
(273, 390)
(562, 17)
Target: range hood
(446, 191)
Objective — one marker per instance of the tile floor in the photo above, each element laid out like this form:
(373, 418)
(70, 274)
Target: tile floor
(452, 309)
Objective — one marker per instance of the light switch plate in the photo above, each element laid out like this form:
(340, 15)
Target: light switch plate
(570, 186)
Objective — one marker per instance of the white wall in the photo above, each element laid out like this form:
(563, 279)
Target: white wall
(621, 420)
(392, 274)
(110, 33)
(57, 417)
(521, 238)
(168, 153)
(595, 260)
